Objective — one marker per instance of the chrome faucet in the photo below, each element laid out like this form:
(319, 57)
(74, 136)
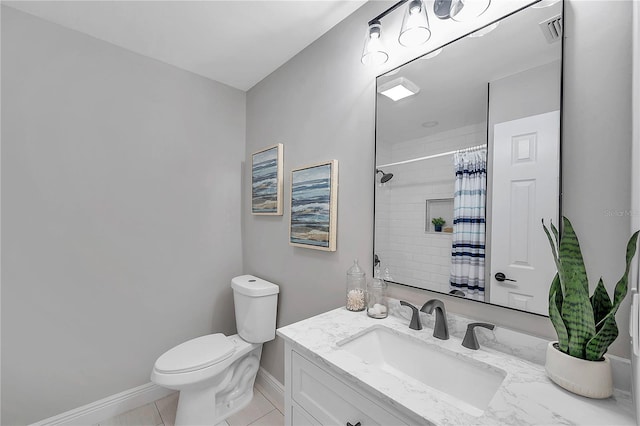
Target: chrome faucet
(440, 329)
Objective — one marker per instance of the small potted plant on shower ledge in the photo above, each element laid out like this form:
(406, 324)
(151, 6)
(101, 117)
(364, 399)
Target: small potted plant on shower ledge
(437, 223)
(585, 325)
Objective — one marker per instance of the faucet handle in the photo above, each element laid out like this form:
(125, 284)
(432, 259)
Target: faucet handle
(415, 323)
(470, 340)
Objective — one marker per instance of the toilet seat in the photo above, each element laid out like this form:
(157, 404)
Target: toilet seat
(196, 354)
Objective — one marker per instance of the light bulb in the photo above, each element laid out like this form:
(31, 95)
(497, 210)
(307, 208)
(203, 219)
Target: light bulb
(415, 25)
(374, 52)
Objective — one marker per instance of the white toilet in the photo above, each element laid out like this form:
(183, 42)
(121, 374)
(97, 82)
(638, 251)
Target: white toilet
(215, 373)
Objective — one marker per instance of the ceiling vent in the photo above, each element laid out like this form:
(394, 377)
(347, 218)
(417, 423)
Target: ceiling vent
(552, 29)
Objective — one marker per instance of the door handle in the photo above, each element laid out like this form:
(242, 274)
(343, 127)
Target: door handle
(502, 277)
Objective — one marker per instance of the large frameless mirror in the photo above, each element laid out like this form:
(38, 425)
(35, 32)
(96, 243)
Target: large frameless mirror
(468, 163)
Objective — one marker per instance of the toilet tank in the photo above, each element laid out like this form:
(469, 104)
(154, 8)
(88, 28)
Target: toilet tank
(255, 302)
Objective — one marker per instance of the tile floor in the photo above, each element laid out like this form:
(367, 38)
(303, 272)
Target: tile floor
(259, 412)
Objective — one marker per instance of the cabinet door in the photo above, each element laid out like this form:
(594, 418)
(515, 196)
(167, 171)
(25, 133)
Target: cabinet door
(330, 401)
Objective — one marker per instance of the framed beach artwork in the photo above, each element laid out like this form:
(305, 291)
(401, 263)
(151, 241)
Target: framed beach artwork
(266, 181)
(314, 206)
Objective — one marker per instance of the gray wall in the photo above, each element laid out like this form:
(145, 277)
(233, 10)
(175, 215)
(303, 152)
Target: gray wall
(597, 140)
(321, 104)
(121, 183)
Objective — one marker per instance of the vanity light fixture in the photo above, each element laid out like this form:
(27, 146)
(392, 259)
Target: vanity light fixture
(460, 10)
(398, 88)
(373, 53)
(415, 28)
(465, 10)
(442, 8)
(415, 25)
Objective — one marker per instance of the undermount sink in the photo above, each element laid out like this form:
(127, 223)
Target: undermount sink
(471, 383)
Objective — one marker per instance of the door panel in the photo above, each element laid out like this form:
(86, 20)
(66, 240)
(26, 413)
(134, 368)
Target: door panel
(524, 193)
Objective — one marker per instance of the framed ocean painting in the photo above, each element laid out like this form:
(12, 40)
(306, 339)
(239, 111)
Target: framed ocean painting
(314, 206)
(266, 181)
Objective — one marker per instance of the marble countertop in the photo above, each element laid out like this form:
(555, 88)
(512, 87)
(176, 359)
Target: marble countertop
(526, 396)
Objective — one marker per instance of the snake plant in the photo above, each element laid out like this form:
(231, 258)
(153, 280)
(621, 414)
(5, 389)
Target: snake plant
(586, 326)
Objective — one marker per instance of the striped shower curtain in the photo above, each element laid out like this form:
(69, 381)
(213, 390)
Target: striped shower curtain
(468, 248)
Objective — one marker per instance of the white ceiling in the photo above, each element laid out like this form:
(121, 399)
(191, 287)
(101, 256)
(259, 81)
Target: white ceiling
(234, 42)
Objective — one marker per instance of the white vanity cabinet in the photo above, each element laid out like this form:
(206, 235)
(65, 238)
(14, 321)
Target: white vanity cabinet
(315, 396)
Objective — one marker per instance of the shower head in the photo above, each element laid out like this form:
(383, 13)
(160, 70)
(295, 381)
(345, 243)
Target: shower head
(386, 177)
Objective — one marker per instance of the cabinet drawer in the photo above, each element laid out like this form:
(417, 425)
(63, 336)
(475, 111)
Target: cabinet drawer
(330, 401)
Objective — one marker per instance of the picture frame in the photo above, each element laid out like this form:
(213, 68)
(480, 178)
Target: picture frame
(267, 181)
(314, 206)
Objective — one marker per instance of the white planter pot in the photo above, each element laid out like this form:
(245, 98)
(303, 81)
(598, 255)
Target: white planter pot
(592, 379)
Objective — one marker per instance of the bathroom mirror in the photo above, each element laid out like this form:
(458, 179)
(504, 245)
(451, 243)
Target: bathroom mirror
(475, 145)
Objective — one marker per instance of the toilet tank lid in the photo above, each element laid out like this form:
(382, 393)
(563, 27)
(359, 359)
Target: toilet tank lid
(253, 286)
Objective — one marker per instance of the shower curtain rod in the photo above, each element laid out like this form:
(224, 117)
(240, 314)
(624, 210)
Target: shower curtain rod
(429, 157)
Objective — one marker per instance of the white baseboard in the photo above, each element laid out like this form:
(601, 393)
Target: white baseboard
(271, 388)
(108, 407)
(122, 402)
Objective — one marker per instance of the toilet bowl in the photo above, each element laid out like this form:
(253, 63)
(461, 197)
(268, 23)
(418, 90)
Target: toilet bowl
(215, 373)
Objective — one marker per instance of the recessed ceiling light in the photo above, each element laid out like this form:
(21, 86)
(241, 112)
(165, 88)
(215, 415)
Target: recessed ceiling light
(398, 88)
(429, 124)
(484, 31)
